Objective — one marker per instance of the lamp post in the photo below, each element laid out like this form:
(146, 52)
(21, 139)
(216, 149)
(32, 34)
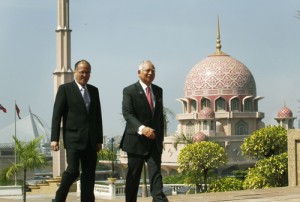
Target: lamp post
(112, 157)
(144, 187)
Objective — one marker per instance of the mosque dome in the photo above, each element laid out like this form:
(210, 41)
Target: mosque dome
(284, 112)
(200, 136)
(219, 74)
(206, 113)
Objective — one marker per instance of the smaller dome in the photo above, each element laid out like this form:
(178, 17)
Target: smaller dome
(200, 136)
(206, 113)
(285, 112)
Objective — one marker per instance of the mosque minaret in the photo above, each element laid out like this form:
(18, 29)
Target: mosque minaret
(63, 72)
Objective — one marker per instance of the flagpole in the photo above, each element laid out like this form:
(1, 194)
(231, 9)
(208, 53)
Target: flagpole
(15, 142)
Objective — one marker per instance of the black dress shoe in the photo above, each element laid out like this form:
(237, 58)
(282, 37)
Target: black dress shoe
(165, 199)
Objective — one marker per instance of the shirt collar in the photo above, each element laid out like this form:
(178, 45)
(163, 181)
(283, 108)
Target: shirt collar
(144, 86)
(80, 86)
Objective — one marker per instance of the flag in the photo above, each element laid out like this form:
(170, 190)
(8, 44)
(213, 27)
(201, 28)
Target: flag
(3, 109)
(18, 111)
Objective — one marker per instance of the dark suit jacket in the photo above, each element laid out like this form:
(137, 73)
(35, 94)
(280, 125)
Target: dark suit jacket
(137, 112)
(80, 126)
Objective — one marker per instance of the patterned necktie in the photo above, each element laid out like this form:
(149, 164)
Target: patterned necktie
(86, 97)
(149, 97)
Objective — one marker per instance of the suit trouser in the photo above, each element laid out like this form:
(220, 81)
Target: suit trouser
(87, 159)
(135, 166)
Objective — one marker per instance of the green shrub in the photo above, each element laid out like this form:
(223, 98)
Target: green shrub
(240, 174)
(225, 184)
(270, 172)
(173, 179)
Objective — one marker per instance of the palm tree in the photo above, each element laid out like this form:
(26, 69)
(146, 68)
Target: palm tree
(167, 112)
(182, 138)
(29, 157)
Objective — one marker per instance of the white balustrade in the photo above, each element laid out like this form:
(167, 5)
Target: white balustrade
(112, 190)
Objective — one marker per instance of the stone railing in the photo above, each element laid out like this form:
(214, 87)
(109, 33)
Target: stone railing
(112, 190)
(11, 190)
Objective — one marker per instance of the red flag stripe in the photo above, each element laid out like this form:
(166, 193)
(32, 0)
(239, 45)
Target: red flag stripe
(3, 108)
(18, 111)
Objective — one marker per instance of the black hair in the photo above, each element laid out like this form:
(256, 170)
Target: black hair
(82, 61)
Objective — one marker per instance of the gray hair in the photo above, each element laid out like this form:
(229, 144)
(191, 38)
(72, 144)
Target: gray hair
(144, 62)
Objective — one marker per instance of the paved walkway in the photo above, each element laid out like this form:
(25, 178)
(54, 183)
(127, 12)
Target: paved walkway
(283, 194)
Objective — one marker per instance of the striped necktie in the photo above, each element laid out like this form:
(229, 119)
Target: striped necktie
(86, 97)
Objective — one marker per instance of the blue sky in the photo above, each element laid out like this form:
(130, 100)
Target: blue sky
(115, 36)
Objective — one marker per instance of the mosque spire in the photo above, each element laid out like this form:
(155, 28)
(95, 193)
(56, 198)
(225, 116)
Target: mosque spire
(218, 46)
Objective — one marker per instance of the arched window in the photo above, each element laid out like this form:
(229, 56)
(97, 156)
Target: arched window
(241, 128)
(235, 104)
(184, 107)
(290, 124)
(190, 128)
(212, 125)
(248, 105)
(220, 104)
(256, 105)
(205, 103)
(193, 105)
(204, 125)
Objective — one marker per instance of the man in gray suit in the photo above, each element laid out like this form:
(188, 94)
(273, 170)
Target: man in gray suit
(77, 105)
(142, 108)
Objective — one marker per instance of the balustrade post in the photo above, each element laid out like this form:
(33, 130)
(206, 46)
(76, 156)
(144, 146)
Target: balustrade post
(112, 188)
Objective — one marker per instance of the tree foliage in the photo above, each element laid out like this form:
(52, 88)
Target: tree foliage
(28, 158)
(173, 179)
(269, 172)
(198, 158)
(182, 138)
(107, 154)
(3, 178)
(167, 112)
(266, 142)
(226, 184)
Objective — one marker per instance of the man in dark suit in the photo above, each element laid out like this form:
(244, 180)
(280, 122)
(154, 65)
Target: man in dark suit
(142, 108)
(77, 105)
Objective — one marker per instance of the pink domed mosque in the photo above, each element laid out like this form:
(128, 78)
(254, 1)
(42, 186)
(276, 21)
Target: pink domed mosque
(220, 98)
(219, 104)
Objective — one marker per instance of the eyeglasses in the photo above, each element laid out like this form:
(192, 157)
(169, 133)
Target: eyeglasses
(84, 73)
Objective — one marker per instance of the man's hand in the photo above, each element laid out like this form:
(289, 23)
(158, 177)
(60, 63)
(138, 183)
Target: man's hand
(54, 146)
(149, 133)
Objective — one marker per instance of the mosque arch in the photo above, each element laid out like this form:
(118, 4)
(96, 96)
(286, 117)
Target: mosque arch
(220, 104)
(205, 125)
(205, 102)
(190, 128)
(184, 104)
(193, 104)
(241, 128)
(235, 104)
(248, 104)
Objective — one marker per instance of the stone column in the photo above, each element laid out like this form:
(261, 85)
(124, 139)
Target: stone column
(294, 157)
